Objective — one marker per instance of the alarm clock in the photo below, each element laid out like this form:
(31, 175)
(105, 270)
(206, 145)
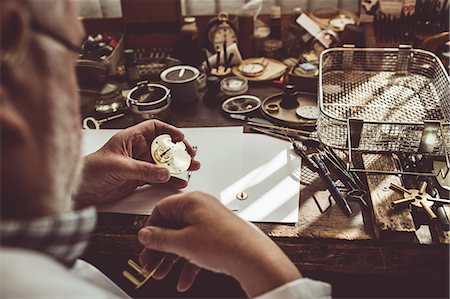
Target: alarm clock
(220, 30)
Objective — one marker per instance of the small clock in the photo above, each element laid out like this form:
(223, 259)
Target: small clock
(220, 30)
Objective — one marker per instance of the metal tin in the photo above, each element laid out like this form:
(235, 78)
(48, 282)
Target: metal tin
(241, 104)
(110, 99)
(233, 86)
(183, 83)
(149, 100)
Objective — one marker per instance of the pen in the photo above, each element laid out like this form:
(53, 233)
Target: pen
(325, 174)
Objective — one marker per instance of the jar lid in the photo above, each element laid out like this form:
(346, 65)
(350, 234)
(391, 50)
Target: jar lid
(180, 74)
(234, 84)
(188, 20)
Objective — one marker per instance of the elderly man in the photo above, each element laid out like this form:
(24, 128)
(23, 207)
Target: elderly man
(47, 197)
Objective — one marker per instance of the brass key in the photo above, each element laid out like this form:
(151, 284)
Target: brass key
(418, 198)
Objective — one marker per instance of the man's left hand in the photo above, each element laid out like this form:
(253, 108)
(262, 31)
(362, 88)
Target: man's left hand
(125, 162)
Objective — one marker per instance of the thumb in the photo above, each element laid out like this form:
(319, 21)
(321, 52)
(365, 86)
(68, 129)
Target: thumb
(146, 172)
(160, 239)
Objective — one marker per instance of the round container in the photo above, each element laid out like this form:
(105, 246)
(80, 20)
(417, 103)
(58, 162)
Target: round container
(233, 86)
(241, 104)
(149, 100)
(110, 99)
(272, 48)
(183, 83)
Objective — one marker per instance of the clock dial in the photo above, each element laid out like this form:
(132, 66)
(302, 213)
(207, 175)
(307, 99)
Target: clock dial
(220, 30)
(223, 34)
(252, 69)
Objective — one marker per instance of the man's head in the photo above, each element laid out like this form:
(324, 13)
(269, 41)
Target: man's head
(39, 106)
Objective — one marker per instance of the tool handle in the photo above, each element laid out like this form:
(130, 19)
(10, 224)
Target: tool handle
(427, 209)
(422, 187)
(331, 185)
(443, 201)
(402, 201)
(398, 188)
(307, 160)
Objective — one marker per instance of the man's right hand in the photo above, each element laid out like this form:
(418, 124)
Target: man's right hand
(197, 227)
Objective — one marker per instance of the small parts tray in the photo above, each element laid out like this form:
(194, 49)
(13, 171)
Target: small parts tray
(384, 100)
(308, 104)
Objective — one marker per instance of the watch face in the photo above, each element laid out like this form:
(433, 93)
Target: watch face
(341, 21)
(222, 33)
(252, 68)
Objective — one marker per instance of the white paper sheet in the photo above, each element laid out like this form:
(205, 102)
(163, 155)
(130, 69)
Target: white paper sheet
(232, 162)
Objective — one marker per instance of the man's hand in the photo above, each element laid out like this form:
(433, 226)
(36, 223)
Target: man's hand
(125, 162)
(198, 228)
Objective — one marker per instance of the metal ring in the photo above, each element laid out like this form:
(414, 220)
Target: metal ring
(92, 120)
(141, 108)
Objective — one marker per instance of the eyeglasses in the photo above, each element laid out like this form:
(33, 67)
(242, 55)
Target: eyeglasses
(67, 44)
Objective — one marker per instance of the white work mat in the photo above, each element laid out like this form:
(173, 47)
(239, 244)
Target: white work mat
(265, 168)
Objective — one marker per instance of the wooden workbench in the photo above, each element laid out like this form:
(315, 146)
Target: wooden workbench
(328, 246)
(345, 251)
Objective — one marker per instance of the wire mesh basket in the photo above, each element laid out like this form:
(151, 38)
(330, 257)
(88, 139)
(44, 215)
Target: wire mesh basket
(384, 100)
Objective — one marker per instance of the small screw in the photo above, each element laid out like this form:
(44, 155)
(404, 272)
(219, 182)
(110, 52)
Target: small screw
(242, 196)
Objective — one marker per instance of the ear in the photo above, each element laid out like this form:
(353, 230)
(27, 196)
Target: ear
(14, 34)
(14, 20)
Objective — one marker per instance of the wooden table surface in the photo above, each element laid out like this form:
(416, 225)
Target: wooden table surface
(329, 245)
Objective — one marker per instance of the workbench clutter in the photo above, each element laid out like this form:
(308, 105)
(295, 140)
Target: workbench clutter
(338, 108)
(390, 109)
(97, 60)
(411, 24)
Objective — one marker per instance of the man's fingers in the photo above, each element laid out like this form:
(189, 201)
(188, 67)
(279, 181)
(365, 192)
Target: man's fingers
(190, 149)
(166, 266)
(195, 165)
(144, 171)
(187, 276)
(177, 183)
(160, 239)
(152, 128)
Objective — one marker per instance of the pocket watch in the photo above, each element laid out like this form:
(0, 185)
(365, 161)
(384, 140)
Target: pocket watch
(220, 30)
(254, 68)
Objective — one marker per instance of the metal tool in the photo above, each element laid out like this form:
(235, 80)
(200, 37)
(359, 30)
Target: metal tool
(331, 185)
(287, 136)
(314, 163)
(299, 150)
(418, 198)
(350, 179)
(281, 129)
(143, 274)
(246, 118)
(434, 188)
(96, 123)
(358, 195)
